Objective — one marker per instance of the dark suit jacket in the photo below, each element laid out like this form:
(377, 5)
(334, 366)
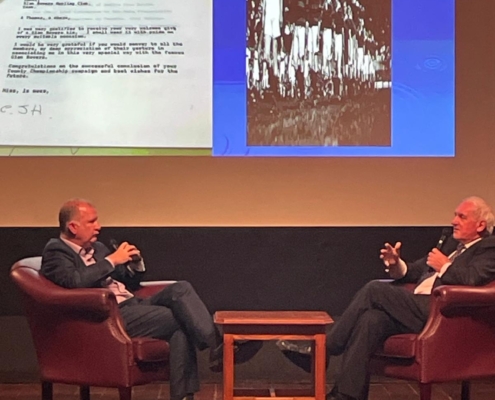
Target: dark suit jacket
(474, 267)
(63, 266)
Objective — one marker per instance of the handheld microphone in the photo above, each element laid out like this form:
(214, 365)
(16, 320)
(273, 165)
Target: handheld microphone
(443, 236)
(115, 245)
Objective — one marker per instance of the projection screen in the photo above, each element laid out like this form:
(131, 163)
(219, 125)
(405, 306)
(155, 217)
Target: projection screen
(227, 77)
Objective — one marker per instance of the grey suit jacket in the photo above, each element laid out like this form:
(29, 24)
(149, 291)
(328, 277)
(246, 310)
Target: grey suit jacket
(474, 267)
(63, 266)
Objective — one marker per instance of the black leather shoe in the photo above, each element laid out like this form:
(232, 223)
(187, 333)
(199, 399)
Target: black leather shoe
(243, 352)
(298, 352)
(297, 346)
(216, 358)
(301, 360)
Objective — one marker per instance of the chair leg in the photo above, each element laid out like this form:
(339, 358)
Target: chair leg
(84, 393)
(46, 391)
(425, 391)
(125, 393)
(465, 390)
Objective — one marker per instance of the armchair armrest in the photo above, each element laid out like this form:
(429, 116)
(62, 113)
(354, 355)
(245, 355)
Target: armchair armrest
(97, 302)
(452, 298)
(54, 298)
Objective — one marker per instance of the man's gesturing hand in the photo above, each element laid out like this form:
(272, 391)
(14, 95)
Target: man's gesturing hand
(390, 255)
(123, 253)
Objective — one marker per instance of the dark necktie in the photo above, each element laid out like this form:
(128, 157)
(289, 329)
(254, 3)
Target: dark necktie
(457, 252)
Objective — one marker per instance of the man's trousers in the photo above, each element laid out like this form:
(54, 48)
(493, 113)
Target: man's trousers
(379, 310)
(177, 315)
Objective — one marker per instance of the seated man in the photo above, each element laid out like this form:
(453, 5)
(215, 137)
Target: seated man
(175, 314)
(380, 310)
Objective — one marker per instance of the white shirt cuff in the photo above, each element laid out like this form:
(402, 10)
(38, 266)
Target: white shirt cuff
(397, 271)
(111, 263)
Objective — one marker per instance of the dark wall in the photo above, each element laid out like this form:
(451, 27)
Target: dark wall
(245, 268)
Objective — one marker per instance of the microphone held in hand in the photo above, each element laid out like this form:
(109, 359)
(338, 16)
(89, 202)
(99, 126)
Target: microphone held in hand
(445, 233)
(115, 245)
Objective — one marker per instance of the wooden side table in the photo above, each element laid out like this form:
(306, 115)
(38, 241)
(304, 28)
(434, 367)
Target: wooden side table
(274, 325)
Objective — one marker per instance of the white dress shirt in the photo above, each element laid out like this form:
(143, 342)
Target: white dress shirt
(118, 288)
(426, 286)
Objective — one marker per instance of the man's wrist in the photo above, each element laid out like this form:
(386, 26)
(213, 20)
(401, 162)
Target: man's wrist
(109, 259)
(398, 269)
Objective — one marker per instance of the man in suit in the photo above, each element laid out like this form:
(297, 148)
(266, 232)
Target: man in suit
(381, 309)
(176, 314)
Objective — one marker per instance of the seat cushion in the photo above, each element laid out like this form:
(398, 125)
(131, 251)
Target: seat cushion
(150, 350)
(399, 346)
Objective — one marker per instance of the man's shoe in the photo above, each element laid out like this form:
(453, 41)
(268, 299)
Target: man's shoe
(296, 346)
(243, 352)
(216, 358)
(301, 360)
(297, 351)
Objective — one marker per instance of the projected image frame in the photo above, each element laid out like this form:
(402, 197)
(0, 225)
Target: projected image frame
(422, 90)
(423, 86)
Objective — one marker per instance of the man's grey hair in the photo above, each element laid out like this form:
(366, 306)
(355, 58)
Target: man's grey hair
(483, 212)
(69, 211)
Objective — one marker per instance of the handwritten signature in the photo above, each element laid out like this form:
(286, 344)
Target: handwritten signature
(24, 109)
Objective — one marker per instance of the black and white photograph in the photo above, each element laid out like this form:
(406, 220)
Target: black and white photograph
(318, 72)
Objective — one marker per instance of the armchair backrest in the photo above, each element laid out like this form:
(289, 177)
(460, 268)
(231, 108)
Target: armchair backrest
(457, 342)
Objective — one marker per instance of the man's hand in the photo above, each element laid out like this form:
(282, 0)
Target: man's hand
(123, 254)
(436, 259)
(390, 255)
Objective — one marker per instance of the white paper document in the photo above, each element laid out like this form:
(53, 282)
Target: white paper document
(106, 73)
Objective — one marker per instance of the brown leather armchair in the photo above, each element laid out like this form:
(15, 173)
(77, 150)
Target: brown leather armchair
(80, 339)
(456, 344)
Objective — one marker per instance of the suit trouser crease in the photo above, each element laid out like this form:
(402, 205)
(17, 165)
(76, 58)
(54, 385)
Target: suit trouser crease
(177, 315)
(378, 310)
(190, 312)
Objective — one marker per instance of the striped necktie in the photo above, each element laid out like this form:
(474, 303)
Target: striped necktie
(457, 252)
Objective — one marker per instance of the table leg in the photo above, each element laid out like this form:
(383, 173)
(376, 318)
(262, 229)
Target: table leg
(228, 367)
(319, 369)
